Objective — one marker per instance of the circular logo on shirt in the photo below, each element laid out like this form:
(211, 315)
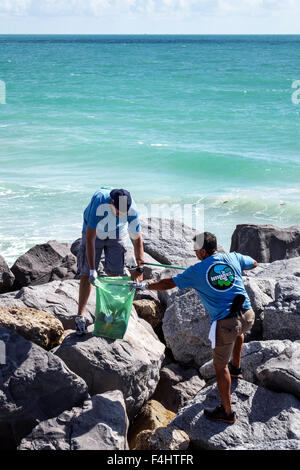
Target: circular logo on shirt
(220, 276)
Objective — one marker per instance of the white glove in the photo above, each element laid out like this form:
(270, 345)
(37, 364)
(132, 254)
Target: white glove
(139, 285)
(93, 276)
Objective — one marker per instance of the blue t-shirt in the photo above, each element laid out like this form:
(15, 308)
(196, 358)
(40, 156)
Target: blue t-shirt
(100, 216)
(217, 280)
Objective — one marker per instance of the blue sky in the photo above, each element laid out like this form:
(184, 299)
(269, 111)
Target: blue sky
(149, 16)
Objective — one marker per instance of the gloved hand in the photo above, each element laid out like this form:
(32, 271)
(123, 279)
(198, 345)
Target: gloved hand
(93, 276)
(139, 285)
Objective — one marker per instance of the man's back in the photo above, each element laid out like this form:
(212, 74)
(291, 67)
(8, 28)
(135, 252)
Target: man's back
(217, 280)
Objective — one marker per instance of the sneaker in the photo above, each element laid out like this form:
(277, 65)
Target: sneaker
(81, 328)
(218, 414)
(235, 372)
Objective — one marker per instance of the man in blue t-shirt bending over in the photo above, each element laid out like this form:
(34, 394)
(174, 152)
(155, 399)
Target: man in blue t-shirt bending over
(219, 284)
(110, 214)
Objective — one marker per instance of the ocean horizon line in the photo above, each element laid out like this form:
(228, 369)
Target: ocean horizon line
(151, 34)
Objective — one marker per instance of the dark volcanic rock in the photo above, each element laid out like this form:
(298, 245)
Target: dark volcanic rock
(34, 385)
(6, 276)
(44, 263)
(266, 243)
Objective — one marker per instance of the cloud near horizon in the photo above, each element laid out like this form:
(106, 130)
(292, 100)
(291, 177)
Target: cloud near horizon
(151, 7)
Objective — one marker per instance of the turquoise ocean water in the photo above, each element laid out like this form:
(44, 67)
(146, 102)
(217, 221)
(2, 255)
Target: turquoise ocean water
(175, 119)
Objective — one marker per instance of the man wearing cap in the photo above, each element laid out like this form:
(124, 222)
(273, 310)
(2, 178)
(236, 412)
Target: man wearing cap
(107, 218)
(219, 284)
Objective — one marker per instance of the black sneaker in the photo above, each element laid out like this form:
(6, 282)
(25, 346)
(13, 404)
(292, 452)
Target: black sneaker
(235, 372)
(218, 414)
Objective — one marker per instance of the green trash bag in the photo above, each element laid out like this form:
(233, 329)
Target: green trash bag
(113, 306)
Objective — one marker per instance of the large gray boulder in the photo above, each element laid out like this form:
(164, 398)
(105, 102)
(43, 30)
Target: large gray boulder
(263, 416)
(276, 270)
(44, 263)
(282, 373)
(177, 386)
(256, 356)
(261, 293)
(34, 385)
(57, 297)
(101, 424)
(6, 276)
(130, 364)
(168, 241)
(281, 318)
(274, 290)
(266, 243)
(186, 327)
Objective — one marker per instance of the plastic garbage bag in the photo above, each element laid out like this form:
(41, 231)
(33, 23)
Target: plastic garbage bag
(113, 306)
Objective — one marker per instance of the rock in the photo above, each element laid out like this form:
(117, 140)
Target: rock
(75, 246)
(169, 438)
(281, 318)
(276, 270)
(40, 327)
(263, 416)
(254, 355)
(152, 416)
(44, 263)
(57, 297)
(282, 373)
(150, 272)
(266, 243)
(166, 296)
(177, 386)
(274, 290)
(35, 385)
(6, 276)
(131, 365)
(261, 292)
(186, 326)
(291, 444)
(272, 364)
(149, 310)
(101, 424)
(168, 241)
(147, 294)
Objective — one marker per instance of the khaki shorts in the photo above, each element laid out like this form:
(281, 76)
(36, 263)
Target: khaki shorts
(114, 253)
(227, 330)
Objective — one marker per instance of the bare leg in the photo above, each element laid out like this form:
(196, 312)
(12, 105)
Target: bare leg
(224, 383)
(237, 351)
(84, 293)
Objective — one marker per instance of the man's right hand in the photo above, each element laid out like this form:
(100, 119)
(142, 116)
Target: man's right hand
(139, 285)
(93, 276)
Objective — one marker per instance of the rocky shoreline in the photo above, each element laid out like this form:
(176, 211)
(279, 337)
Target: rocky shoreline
(148, 391)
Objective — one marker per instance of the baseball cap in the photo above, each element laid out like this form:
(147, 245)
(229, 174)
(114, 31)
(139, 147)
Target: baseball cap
(121, 199)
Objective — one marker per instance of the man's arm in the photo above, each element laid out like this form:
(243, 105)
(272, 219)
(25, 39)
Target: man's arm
(90, 246)
(138, 246)
(163, 284)
(138, 249)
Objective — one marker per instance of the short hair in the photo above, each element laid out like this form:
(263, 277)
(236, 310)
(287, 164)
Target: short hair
(206, 241)
(121, 199)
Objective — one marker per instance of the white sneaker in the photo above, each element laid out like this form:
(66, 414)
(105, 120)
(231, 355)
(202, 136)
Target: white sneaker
(81, 328)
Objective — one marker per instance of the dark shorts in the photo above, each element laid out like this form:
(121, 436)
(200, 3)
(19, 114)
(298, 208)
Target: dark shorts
(227, 330)
(109, 257)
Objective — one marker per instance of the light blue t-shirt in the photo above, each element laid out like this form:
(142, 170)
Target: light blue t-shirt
(217, 280)
(100, 216)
